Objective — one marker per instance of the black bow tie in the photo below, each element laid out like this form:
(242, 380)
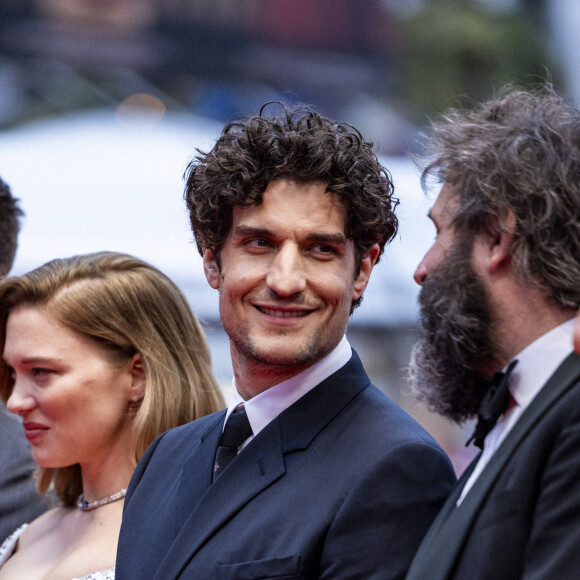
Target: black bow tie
(494, 403)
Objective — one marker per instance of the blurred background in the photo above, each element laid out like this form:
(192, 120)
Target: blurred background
(104, 102)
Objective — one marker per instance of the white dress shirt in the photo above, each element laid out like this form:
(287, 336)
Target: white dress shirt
(536, 364)
(266, 406)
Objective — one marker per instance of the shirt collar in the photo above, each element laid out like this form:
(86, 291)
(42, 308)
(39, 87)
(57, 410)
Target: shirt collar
(266, 406)
(538, 361)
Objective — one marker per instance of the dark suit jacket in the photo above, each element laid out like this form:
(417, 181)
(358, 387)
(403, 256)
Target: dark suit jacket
(343, 484)
(521, 518)
(19, 502)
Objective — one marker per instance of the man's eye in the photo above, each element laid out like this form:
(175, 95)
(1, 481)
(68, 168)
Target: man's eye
(39, 372)
(324, 250)
(258, 243)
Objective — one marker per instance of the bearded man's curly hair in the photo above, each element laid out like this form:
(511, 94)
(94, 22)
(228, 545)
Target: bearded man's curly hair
(518, 152)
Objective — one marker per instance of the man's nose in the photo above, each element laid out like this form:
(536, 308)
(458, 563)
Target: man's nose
(286, 275)
(421, 271)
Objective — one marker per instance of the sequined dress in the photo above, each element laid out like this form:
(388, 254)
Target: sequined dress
(9, 545)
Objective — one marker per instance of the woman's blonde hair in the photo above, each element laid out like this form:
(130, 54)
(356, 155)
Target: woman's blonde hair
(128, 307)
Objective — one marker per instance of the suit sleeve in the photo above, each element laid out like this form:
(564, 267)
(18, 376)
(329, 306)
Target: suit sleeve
(383, 519)
(19, 501)
(553, 547)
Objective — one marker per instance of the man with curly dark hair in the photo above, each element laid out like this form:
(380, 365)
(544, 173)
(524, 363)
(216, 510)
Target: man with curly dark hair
(500, 291)
(19, 501)
(328, 478)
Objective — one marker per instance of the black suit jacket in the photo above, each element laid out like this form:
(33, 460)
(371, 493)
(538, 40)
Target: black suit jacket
(521, 518)
(19, 501)
(343, 484)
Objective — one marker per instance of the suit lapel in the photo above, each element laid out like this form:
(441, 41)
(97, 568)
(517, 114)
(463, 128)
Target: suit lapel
(258, 465)
(262, 464)
(301, 422)
(196, 474)
(454, 523)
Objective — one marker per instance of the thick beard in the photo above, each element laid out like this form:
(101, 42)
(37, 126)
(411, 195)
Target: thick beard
(455, 338)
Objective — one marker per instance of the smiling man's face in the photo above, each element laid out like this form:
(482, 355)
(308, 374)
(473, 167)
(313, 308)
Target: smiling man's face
(286, 279)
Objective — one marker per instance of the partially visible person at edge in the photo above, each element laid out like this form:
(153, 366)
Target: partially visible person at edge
(19, 500)
(328, 478)
(577, 335)
(101, 353)
(499, 292)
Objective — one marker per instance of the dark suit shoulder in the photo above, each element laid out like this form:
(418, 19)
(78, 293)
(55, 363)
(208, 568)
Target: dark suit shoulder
(19, 500)
(177, 443)
(195, 427)
(391, 423)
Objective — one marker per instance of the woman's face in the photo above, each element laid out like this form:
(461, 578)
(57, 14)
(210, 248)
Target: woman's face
(73, 400)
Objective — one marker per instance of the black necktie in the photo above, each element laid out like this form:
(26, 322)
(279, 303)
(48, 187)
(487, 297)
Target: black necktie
(236, 431)
(494, 403)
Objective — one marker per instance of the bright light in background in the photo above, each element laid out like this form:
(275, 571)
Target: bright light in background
(87, 183)
(141, 110)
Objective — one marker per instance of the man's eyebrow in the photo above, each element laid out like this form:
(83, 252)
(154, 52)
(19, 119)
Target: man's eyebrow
(328, 238)
(337, 238)
(251, 231)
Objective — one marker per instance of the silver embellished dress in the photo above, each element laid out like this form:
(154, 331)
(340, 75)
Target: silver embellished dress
(9, 546)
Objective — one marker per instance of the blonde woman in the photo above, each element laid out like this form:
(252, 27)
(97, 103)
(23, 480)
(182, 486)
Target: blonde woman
(101, 353)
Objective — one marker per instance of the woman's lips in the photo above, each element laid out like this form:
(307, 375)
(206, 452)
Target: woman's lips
(33, 430)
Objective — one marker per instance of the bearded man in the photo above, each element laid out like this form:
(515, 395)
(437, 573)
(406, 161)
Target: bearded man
(500, 285)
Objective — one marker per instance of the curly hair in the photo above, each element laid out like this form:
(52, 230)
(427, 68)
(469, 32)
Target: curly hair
(298, 145)
(10, 214)
(519, 152)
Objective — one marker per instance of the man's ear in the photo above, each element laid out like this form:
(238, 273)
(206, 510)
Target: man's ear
(367, 264)
(577, 334)
(211, 268)
(500, 248)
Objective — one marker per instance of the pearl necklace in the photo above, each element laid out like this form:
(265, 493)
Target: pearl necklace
(86, 506)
